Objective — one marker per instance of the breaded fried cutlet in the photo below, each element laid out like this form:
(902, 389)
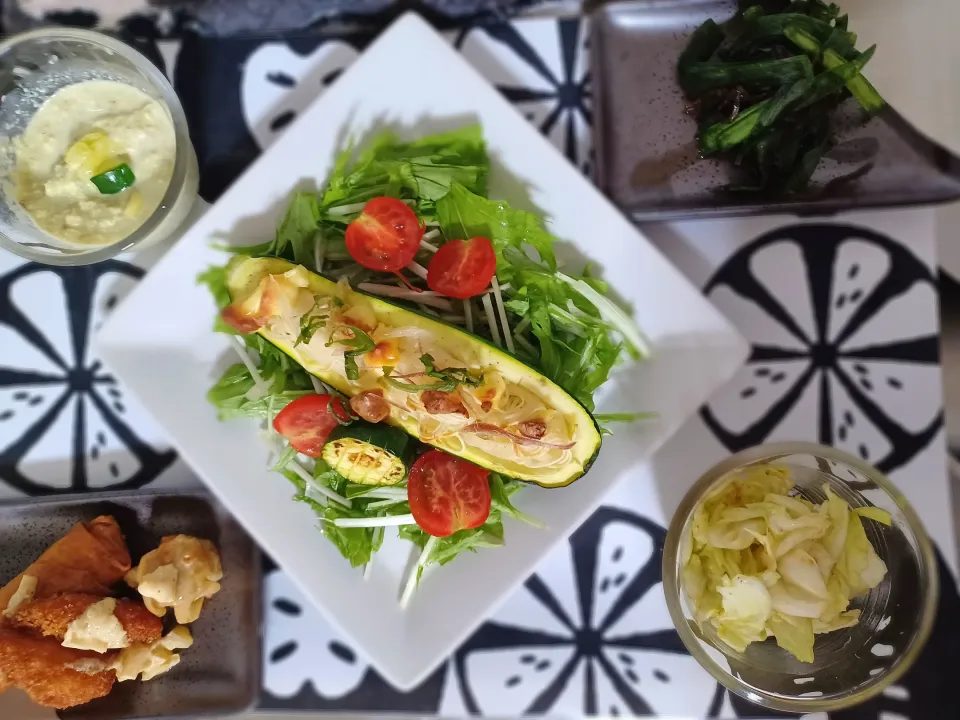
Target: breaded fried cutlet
(51, 616)
(52, 675)
(91, 558)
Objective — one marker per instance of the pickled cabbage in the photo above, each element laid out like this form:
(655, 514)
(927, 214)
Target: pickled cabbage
(760, 562)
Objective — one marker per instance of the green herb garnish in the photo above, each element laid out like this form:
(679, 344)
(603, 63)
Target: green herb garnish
(461, 376)
(358, 343)
(309, 324)
(449, 378)
(114, 180)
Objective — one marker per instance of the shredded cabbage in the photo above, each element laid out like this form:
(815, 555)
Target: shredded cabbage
(761, 562)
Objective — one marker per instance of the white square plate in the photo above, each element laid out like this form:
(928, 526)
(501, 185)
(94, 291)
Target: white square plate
(160, 344)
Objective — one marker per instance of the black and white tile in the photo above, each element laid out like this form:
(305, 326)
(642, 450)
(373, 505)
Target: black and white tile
(836, 334)
(65, 424)
(542, 68)
(588, 634)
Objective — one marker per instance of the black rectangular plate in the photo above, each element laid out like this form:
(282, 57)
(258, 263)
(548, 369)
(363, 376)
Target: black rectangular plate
(220, 674)
(647, 159)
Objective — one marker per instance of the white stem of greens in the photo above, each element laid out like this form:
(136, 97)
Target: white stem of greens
(502, 312)
(424, 245)
(356, 207)
(525, 344)
(432, 224)
(368, 568)
(575, 311)
(522, 325)
(318, 387)
(345, 272)
(258, 381)
(319, 250)
(325, 491)
(381, 504)
(621, 322)
(414, 577)
(427, 297)
(418, 270)
(468, 315)
(388, 521)
(385, 493)
(346, 209)
(491, 320)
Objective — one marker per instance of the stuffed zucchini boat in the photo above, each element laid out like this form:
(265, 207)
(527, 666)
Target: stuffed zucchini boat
(442, 385)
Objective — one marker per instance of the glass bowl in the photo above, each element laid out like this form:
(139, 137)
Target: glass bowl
(33, 66)
(851, 665)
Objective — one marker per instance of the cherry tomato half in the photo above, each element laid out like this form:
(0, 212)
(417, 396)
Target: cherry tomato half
(462, 268)
(447, 493)
(386, 236)
(307, 422)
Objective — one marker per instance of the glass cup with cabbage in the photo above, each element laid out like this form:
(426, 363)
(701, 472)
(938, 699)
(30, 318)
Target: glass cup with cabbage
(761, 561)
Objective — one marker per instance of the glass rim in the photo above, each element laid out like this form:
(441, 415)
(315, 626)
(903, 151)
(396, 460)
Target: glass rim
(673, 590)
(184, 149)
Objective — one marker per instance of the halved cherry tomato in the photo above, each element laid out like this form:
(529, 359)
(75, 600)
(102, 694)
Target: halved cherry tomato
(447, 493)
(462, 268)
(386, 236)
(307, 422)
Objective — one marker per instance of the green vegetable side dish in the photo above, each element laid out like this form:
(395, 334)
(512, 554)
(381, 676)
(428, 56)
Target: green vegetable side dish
(761, 562)
(765, 84)
(536, 330)
(114, 180)
(368, 454)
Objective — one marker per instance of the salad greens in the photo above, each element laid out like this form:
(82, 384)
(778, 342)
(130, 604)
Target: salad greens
(563, 325)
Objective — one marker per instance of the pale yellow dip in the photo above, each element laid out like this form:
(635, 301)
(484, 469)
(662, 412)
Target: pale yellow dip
(81, 131)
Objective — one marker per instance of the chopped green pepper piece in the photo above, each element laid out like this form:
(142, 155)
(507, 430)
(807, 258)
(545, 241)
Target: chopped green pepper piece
(701, 77)
(724, 136)
(861, 88)
(835, 78)
(770, 26)
(703, 43)
(114, 180)
(803, 40)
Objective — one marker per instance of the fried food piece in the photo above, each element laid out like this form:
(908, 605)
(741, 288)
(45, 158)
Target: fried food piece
(181, 574)
(52, 616)
(52, 675)
(91, 558)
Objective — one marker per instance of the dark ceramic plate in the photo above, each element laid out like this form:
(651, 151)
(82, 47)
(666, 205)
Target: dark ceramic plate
(647, 159)
(220, 674)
